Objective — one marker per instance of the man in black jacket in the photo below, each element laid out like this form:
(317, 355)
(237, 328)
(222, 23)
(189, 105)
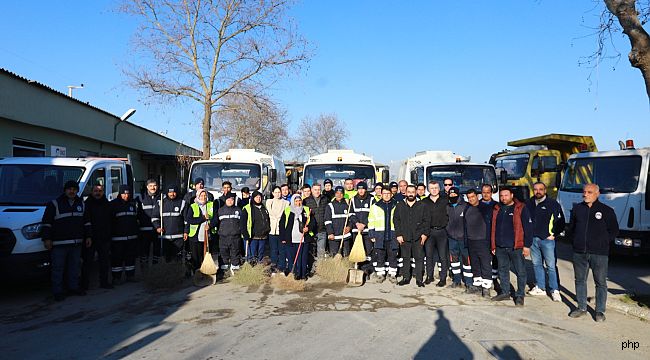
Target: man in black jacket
(458, 251)
(593, 225)
(548, 220)
(171, 225)
(148, 235)
(124, 234)
(437, 247)
(477, 238)
(411, 229)
(66, 227)
(317, 203)
(99, 213)
(230, 230)
(337, 223)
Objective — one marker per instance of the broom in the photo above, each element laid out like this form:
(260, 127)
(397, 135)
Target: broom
(208, 266)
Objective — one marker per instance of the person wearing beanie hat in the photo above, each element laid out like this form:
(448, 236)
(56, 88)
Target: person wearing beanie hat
(337, 223)
(359, 222)
(377, 192)
(171, 226)
(458, 250)
(230, 229)
(393, 188)
(257, 220)
(124, 234)
(148, 235)
(328, 191)
(65, 227)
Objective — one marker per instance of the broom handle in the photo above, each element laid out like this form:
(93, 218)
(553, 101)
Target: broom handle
(344, 226)
(205, 242)
(295, 259)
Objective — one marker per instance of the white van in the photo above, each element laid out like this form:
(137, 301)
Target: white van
(624, 180)
(26, 186)
(243, 168)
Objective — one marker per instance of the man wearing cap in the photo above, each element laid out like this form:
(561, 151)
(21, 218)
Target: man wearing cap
(230, 229)
(349, 189)
(376, 196)
(328, 192)
(337, 223)
(458, 250)
(148, 235)
(393, 188)
(124, 234)
(245, 196)
(66, 227)
(359, 222)
(170, 226)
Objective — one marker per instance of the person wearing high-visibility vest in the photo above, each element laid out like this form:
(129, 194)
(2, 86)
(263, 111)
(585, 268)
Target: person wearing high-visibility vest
(382, 234)
(199, 216)
(258, 226)
(350, 192)
(296, 229)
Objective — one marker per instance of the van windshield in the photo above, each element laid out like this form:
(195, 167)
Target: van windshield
(22, 184)
(613, 174)
(239, 174)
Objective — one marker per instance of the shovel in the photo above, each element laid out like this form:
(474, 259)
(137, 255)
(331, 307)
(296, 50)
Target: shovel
(355, 276)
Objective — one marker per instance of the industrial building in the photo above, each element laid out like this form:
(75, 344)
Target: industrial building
(36, 120)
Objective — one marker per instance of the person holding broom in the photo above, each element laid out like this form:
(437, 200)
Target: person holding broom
(199, 217)
(382, 233)
(296, 229)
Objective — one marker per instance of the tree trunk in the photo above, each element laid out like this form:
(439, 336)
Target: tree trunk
(207, 116)
(628, 17)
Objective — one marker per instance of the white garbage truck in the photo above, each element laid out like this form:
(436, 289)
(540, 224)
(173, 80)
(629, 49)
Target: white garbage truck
(624, 180)
(243, 168)
(27, 184)
(338, 165)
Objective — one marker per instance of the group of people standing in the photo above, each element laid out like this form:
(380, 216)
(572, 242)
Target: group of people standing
(476, 242)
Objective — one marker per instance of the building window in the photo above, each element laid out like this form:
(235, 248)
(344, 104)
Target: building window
(28, 148)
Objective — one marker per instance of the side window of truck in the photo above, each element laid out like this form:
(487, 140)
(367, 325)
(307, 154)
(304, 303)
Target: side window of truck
(647, 191)
(116, 181)
(97, 177)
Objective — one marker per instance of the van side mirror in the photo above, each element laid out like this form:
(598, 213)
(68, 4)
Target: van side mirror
(273, 175)
(503, 176)
(385, 175)
(414, 176)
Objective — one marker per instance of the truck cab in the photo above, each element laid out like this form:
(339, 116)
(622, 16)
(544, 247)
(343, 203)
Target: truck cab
(624, 180)
(243, 168)
(540, 158)
(27, 185)
(338, 165)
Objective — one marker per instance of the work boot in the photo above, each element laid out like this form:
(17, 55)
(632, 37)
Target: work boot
(519, 301)
(419, 283)
(455, 285)
(471, 289)
(380, 279)
(428, 281)
(486, 293)
(501, 297)
(577, 313)
(600, 317)
(404, 282)
(441, 283)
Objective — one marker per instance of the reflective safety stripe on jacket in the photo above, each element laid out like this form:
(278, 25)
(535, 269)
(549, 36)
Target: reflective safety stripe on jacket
(377, 216)
(196, 212)
(287, 210)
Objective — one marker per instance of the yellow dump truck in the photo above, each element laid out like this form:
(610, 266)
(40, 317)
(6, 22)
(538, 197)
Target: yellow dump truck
(540, 158)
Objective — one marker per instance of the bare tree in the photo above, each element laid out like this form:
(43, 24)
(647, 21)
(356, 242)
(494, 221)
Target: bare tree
(250, 123)
(204, 50)
(317, 135)
(632, 15)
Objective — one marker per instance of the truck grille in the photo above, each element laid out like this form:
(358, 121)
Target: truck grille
(7, 242)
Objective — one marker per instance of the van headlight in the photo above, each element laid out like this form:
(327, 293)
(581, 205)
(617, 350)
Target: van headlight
(32, 231)
(624, 242)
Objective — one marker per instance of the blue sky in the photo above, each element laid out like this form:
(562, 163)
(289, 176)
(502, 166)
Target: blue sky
(404, 76)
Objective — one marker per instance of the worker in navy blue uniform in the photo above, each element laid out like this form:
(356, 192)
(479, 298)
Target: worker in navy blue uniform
(124, 234)
(171, 225)
(382, 234)
(328, 190)
(548, 221)
(411, 230)
(476, 224)
(296, 227)
(66, 227)
(148, 235)
(359, 222)
(486, 205)
(592, 227)
(337, 223)
(99, 213)
(230, 229)
(200, 218)
(458, 252)
(226, 188)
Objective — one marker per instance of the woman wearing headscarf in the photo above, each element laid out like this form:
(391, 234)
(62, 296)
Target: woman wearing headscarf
(199, 217)
(296, 228)
(256, 218)
(276, 208)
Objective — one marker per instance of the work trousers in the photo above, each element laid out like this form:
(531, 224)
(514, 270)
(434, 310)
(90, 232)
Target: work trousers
(335, 244)
(65, 267)
(123, 253)
(481, 258)
(385, 261)
(598, 265)
(436, 248)
(102, 248)
(298, 254)
(197, 253)
(170, 250)
(148, 238)
(255, 250)
(230, 251)
(412, 249)
(459, 254)
(509, 257)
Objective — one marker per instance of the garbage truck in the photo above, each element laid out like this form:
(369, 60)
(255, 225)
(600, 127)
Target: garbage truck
(541, 158)
(624, 180)
(338, 165)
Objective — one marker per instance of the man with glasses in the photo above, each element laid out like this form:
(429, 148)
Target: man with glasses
(447, 183)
